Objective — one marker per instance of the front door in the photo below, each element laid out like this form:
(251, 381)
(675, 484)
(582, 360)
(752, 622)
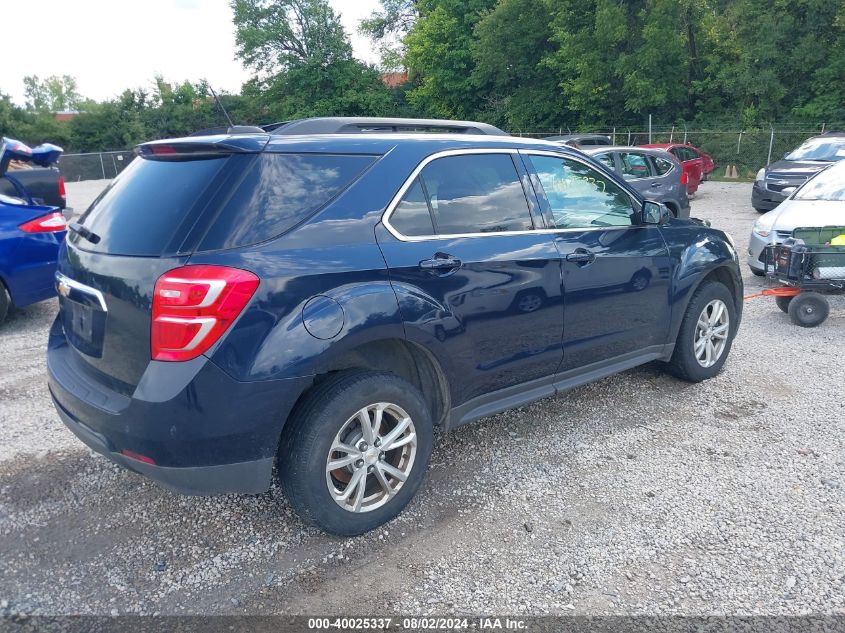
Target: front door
(616, 270)
(475, 281)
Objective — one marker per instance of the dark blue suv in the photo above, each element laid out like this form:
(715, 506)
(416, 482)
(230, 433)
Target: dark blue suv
(319, 297)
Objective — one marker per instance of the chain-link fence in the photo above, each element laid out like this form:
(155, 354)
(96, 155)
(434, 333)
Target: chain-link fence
(99, 166)
(745, 149)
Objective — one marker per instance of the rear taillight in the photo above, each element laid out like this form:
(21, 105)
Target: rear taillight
(194, 305)
(62, 193)
(50, 223)
(684, 178)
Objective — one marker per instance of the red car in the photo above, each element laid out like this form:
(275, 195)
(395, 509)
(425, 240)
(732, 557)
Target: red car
(697, 165)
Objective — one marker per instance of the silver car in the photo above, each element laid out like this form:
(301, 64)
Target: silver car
(655, 173)
(817, 203)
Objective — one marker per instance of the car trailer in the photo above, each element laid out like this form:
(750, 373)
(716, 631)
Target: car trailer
(809, 265)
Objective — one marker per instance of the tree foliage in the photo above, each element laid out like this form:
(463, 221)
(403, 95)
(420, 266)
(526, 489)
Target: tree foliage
(52, 94)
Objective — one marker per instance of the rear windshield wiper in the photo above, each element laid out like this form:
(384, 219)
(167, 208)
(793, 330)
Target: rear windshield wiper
(84, 233)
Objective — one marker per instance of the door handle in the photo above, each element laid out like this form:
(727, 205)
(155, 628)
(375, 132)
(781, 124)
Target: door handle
(581, 256)
(655, 184)
(441, 262)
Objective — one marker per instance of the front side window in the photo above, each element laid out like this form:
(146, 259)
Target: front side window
(472, 193)
(581, 197)
(634, 165)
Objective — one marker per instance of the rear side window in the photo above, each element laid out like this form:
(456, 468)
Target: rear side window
(473, 193)
(280, 191)
(142, 209)
(607, 160)
(661, 165)
(412, 216)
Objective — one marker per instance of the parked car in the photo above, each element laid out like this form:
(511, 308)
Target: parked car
(320, 302)
(697, 165)
(580, 140)
(818, 203)
(795, 168)
(656, 174)
(39, 185)
(30, 236)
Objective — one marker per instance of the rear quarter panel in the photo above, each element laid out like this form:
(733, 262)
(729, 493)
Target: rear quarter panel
(27, 260)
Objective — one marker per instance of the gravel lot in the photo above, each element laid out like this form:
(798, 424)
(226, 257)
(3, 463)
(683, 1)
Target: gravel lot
(636, 494)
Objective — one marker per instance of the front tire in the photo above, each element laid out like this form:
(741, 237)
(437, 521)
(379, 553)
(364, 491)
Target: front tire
(706, 335)
(809, 309)
(356, 451)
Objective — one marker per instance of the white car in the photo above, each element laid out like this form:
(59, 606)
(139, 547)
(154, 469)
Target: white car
(817, 203)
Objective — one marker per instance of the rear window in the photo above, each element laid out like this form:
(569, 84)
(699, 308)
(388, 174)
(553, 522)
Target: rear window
(152, 207)
(141, 210)
(278, 193)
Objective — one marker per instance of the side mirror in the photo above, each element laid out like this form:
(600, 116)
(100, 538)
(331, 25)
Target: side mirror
(655, 213)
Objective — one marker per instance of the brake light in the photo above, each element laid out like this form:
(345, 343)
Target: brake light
(162, 150)
(62, 193)
(194, 305)
(684, 177)
(50, 223)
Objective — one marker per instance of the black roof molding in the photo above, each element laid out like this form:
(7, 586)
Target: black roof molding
(377, 125)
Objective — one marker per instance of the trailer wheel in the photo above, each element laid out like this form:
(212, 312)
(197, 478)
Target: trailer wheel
(808, 309)
(783, 302)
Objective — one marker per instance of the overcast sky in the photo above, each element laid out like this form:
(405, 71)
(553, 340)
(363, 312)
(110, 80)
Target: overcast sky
(110, 45)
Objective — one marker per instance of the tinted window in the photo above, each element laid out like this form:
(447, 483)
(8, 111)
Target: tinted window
(634, 165)
(679, 153)
(661, 165)
(142, 209)
(412, 216)
(476, 193)
(579, 196)
(279, 192)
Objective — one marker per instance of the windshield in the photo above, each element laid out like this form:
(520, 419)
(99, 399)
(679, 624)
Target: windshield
(827, 185)
(821, 149)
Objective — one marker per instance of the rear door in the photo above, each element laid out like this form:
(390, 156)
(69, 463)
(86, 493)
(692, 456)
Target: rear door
(616, 270)
(691, 164)
(475, 280)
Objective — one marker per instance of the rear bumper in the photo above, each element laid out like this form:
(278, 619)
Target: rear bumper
(244, 477)
(203, 431)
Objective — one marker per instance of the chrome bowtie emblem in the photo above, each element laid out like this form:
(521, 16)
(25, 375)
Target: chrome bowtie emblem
(63, 288)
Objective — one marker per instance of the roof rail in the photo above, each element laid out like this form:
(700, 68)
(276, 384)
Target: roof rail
(377, 125)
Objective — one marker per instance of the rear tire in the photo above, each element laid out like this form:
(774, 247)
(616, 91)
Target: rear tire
(783, 303)
(5, 302)
(757, 273)
(328, 429)
(705, 307)
(809, 309)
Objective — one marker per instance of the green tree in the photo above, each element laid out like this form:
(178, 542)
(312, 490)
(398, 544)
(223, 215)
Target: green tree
(439, 57)
(388, 26)
(52, 94)
(277, 35)
(516, 88)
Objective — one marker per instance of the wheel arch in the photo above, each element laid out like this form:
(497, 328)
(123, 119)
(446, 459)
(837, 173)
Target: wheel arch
(403, 358)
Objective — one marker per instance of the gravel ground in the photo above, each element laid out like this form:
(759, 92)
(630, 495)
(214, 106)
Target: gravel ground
(636, 494)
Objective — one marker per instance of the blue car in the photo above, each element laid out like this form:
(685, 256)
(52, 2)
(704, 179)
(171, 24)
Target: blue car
(314, 298)
(30, 235)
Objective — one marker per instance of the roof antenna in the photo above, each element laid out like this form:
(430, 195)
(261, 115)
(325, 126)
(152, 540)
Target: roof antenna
(220, 105)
